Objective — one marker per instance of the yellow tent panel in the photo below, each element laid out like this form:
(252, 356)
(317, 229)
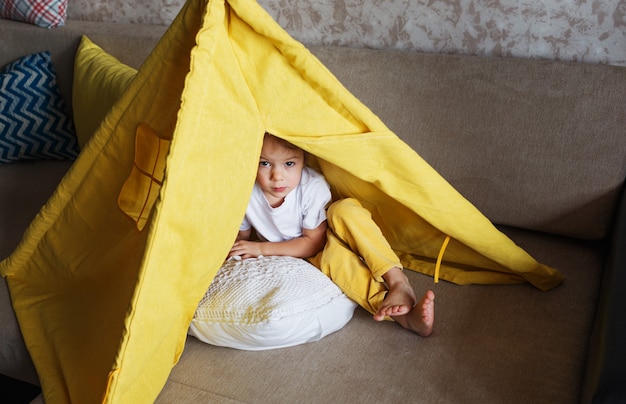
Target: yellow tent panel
(109, 274)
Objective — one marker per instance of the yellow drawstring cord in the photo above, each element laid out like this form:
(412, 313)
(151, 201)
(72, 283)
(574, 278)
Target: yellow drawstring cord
(440, 257)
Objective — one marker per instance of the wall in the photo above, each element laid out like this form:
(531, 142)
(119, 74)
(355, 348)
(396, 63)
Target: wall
(590, 31)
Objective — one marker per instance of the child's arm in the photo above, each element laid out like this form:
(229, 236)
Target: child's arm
(244, 234)
(310, 243)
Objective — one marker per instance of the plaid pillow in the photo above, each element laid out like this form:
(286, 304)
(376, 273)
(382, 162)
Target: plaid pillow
(44, 13)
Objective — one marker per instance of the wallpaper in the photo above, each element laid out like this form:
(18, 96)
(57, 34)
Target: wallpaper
(590, 31)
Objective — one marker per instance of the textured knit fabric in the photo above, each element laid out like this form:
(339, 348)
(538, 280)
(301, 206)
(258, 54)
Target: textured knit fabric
(269, 302)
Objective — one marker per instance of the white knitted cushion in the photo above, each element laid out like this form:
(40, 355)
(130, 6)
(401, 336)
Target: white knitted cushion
(269, 302)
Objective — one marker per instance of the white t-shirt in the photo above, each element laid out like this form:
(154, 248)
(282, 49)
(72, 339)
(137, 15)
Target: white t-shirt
(304, 207)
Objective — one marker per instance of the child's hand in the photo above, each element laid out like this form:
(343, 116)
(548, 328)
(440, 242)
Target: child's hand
(310, 243)
(246, 249)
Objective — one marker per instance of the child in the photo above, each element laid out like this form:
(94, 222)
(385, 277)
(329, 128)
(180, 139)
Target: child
(287, 212)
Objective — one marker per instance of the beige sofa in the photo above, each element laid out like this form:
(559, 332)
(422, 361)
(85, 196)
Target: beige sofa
(538, 146)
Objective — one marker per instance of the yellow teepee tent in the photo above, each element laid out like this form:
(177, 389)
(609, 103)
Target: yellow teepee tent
(108, 275)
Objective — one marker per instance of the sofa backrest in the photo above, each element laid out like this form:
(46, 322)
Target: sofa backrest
(534, 144)
(129, 43)
(539, 145)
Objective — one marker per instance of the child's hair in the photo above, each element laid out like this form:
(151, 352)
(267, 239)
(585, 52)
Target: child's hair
(283, 142)
(290, 146)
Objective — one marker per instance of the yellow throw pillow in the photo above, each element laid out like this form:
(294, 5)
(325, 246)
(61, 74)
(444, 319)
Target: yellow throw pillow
(99, 81)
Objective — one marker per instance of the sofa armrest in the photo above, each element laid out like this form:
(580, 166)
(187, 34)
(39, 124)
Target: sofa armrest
(15, 360)
(605, 372)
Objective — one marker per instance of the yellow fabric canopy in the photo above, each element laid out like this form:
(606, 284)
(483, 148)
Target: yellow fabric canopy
(108, 275)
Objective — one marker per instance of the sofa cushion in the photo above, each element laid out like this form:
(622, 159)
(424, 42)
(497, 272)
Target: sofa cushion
(491, 344)
(33, 122)
(99, 81)
(44, 13)
(25, 187)
(269, 302)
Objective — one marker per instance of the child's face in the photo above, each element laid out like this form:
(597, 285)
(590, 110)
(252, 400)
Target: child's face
(280, 169)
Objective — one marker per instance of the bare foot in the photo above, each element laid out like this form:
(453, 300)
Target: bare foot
(400, 297)
(422, 317)
(400, 304)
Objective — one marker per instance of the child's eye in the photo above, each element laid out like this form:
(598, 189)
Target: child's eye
(264, 163)
(290, 163)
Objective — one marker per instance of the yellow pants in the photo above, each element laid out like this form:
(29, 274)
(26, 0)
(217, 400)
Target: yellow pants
(356, 254)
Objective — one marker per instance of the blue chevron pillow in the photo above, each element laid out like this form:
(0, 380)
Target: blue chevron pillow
(33, 122)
